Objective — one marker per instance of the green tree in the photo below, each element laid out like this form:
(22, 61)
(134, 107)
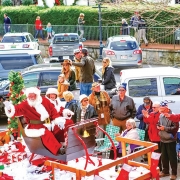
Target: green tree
(16, 95)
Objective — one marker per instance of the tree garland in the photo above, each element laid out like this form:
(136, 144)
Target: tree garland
(16, 95)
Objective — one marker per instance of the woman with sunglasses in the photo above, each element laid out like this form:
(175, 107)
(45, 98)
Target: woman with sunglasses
(108, 78)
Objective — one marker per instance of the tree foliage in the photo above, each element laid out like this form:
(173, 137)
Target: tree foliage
(16, 95)
(27, 2)
(6, 2)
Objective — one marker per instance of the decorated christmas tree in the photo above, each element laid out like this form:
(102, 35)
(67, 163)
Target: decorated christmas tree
(16, 95)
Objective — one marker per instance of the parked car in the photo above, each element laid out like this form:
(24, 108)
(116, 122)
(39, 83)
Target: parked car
(123, 50)
(43, 76)
(62, 46)
(23, 40)
(162, 83)
(18, 60)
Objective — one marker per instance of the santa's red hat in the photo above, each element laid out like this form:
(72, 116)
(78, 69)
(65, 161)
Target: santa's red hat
(34, 90)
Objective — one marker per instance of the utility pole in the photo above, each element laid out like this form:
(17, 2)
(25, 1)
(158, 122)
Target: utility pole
(100, 30)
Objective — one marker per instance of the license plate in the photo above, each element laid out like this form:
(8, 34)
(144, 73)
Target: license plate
(65, 57)
(13, 46)
(123, 57)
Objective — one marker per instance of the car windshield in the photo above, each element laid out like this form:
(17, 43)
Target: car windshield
(14, 39)
(65, 38)
(123, 45)
(3, 83)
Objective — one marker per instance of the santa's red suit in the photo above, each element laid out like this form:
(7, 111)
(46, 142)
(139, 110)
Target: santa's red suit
(60, 134)
(35, 116)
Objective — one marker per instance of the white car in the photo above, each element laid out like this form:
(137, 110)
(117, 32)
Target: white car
(23, 40)
(160, 84)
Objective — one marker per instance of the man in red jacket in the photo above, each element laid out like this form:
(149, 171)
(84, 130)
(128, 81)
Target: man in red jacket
(152, 120)
(38, 27)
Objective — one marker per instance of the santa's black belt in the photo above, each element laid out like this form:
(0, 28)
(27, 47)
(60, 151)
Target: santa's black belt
(36, 122)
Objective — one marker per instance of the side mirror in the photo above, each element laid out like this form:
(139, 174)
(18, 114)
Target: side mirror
(83, 39)
(37, 40)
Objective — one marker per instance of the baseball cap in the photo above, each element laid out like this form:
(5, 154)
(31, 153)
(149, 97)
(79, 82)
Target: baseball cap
(76, 51)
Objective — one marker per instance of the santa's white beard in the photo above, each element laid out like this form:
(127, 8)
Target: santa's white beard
(35, 102)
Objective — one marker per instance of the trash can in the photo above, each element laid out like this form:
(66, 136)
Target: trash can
(177, 34)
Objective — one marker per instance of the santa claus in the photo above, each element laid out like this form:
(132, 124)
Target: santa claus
(60, 134)
(37, 110)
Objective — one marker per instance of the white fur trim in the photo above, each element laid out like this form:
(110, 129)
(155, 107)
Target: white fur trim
(41, 109)
(32, 90)
(67, 113)
(48, 126)
(60, 121)
(34, 132)
(12, 111)
(57, 103)
(52, 91)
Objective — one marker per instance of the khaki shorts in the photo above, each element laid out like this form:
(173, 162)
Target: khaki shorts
(120, 124)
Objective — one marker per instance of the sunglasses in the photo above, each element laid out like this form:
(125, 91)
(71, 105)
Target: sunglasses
(85, 100)
(121, 90)
(77, 53)
(154, 107)
(104, 62)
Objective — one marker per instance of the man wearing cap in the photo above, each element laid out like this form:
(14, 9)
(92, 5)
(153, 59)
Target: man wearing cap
(87, 72)
(168, 136)
(101, 101)
(77, 59)
(85, 110)
(37, 110)
(122, 108)
(151, 119)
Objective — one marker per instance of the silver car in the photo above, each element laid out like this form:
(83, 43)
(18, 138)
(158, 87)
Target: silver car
(123, 50)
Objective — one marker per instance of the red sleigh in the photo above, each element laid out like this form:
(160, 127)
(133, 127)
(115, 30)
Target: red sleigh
(78, 145)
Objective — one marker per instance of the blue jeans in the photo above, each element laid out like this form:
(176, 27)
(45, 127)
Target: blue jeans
(7, 28)
(41, 33)
(85, 88)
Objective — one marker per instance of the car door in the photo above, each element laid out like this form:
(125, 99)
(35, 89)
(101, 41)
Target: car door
(171, 91)
(138, 88)
(34, 43)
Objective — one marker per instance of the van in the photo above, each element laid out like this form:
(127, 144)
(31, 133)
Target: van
(17, 61)
(160, 84)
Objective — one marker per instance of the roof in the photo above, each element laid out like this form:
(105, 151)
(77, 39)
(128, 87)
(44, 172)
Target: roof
(118, 37)
(20, 51)
(157, 71)
(60, 34)
(16, 34)
(37, 67)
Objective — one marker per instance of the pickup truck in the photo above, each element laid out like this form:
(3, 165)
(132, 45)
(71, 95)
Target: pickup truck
(62, 46)
(160, 84)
